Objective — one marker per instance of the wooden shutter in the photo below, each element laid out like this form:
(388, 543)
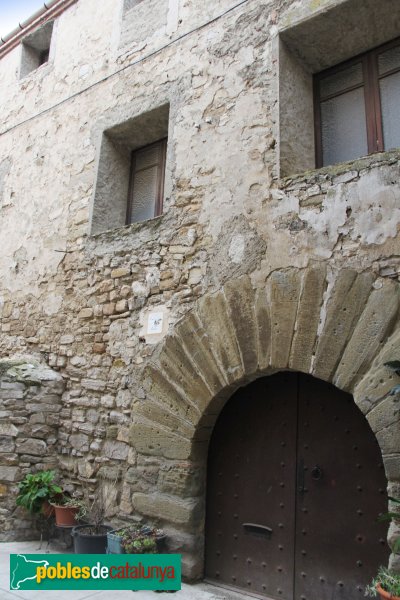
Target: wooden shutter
(147, 182)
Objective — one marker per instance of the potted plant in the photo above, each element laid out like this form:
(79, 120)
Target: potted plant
(36, 492)
(135, 540)
(141, 544)
(91, 538)
(386, 584)
(114, 539)
(66, 511)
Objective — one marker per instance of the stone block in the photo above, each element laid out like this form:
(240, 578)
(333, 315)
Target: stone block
(240, 299)
(392, 467)
(85, 313)
(263, 324)
(42, 408)
(169, 508)
(79, 441)
(394, 562)
(192, 567)
(152, 439)
(125, 291)
(182, 479)
(86, 469)
(347, 300)
(135, 481)
(7, 429)
(120, 272)
(195, 340)
(177, 367)
(169, 397)
(124, 398)
(106, 286)
(160, 414)
(115, 450)
(384, 414)
(216, 321)
(32, 446)
(389, 439)
(99, 348)
(110, 472)
(374, 326)
(121, 306)
(112, 432)
(7, 444)
(284, 292)
(9, 473)
(109, 308)
(125, 503)
(97, 385)
(308, 318)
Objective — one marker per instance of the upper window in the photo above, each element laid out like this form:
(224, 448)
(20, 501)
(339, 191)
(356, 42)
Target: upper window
(147, 182)
(356, 106)
(36, 49)
(133, 175)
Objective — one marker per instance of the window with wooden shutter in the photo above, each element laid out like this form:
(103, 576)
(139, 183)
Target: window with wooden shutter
(356, 106)
(147, 182)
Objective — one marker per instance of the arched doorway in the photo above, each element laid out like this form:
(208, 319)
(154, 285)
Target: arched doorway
(295, 485)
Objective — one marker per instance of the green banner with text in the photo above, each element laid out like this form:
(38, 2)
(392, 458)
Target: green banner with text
(95, 572)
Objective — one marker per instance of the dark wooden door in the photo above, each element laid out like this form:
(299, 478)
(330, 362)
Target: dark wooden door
(295, 484)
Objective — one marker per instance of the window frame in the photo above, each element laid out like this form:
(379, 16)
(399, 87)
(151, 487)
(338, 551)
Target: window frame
(36, 48)
(372, 98)
(159, 200)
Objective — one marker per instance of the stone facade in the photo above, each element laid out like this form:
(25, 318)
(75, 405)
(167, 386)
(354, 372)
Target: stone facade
(30, 403)
(254, 266)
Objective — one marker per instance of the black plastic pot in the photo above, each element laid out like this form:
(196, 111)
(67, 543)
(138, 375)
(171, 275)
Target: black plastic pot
(86, 542)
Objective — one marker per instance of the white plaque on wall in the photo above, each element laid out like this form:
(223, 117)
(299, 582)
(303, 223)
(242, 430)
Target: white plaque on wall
(155, 322)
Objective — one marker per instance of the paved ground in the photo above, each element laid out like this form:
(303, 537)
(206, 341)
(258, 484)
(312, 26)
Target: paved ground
(199, 591)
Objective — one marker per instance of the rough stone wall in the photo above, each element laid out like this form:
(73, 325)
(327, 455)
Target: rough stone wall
(82, 301)
(30, 403)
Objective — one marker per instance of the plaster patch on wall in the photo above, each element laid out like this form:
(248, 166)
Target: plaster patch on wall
(52, 304)
(238, 249)
(20, 259)
(368, 211)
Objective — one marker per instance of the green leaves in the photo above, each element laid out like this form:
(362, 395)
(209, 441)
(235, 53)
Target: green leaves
(388, 580)
(140, 540)
(35, 489)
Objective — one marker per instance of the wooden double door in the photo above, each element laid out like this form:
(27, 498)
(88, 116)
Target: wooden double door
(295, 487)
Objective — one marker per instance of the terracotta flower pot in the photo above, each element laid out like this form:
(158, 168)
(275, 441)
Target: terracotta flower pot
(65, 515)
(47, 509)
(384, 594)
